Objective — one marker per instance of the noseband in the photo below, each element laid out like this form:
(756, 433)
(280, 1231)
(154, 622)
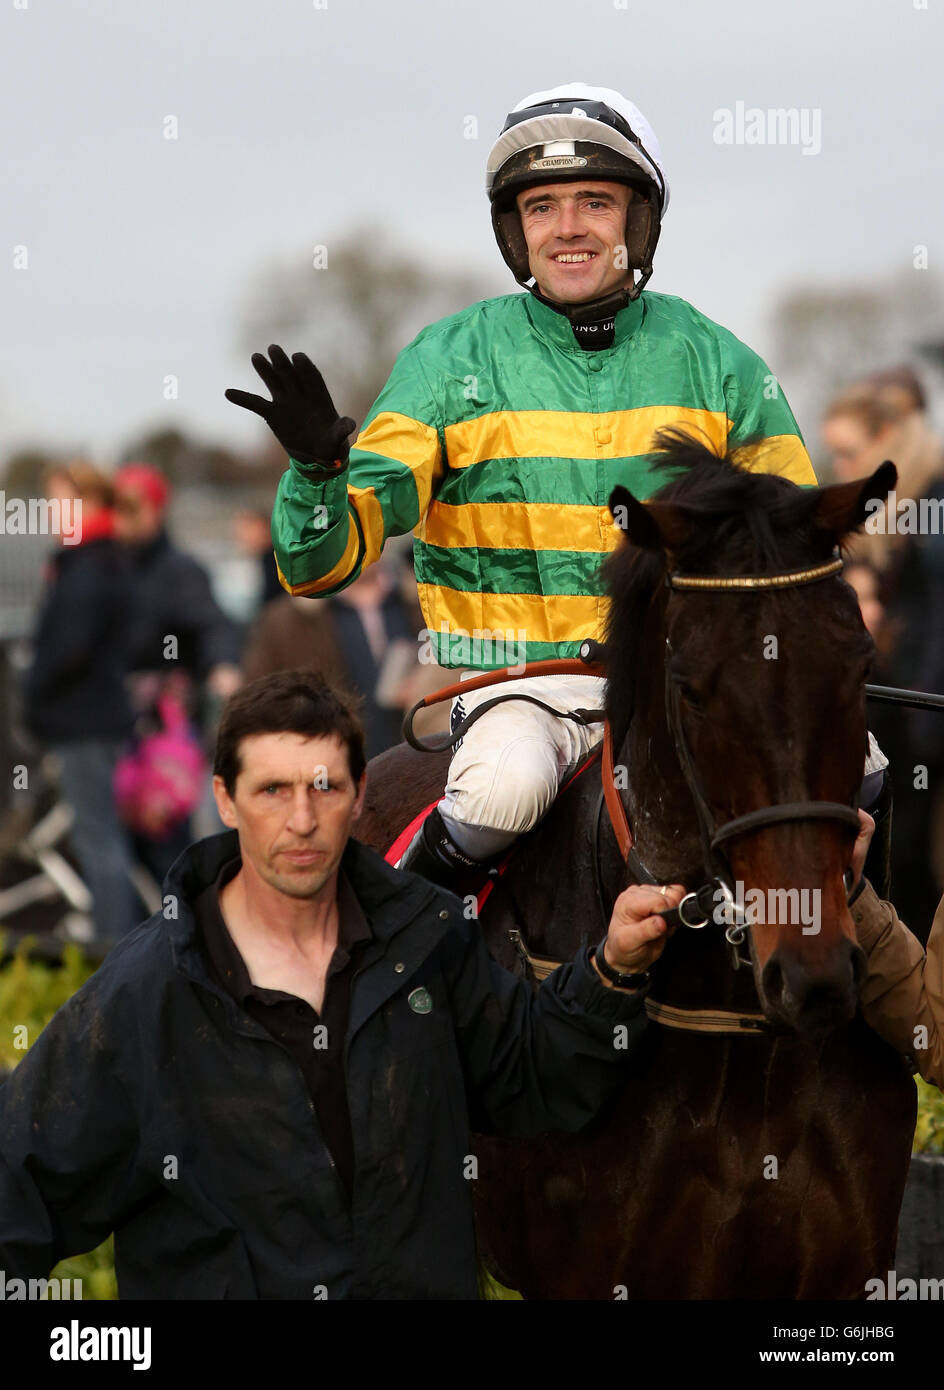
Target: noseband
(713, 836)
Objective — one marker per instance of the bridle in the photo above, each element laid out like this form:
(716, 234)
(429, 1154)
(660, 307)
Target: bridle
(720, 884)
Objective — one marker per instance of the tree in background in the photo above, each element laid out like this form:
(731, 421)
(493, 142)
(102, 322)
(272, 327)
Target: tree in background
(186, 461)
(25, 472)
(352, 315)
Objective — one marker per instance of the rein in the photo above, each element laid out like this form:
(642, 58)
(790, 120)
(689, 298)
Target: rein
(556, 667)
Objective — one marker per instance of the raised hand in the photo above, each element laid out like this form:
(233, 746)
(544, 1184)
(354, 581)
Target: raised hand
(301, 413)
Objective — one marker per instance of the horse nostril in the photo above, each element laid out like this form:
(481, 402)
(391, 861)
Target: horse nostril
(772, 981)
(814, 1003)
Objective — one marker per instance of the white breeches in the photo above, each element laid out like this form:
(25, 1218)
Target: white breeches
(509, 767)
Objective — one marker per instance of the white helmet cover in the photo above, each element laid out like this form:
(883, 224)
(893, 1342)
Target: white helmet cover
(576, 125)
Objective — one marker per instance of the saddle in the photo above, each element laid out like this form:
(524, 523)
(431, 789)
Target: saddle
(489, 875)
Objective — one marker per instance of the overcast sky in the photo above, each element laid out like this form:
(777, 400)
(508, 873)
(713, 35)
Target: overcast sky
(296, 120)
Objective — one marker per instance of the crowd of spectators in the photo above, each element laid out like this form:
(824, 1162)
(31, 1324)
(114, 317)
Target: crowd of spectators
(133, 657)
(896, 566)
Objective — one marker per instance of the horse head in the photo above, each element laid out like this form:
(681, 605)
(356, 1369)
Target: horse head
(743, 705)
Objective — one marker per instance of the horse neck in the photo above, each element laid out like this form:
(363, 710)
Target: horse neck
(661, 809)
(696, 967)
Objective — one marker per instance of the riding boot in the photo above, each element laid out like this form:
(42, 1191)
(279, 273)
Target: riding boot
(435, 855)
(875, 797)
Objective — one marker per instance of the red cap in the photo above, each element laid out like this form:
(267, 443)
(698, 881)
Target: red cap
(146, 479)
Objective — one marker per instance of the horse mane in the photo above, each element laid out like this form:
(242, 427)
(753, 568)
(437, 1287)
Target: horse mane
(742, 519)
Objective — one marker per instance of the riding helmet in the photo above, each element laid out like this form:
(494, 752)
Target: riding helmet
(578, 132)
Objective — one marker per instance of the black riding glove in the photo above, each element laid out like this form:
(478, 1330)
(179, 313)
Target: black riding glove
(301, 413)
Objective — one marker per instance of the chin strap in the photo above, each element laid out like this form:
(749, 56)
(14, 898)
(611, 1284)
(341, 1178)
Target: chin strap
(596, 309)
(607, 307)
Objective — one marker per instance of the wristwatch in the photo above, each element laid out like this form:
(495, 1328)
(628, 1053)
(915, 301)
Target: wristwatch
(619, 978)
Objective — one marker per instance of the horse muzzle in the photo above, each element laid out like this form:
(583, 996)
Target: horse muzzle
(812, 997)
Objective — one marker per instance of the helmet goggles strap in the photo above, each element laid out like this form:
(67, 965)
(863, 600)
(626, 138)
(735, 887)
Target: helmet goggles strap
(597, 111)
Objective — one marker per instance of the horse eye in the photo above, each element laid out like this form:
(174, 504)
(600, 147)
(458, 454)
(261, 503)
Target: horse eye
(692, 697)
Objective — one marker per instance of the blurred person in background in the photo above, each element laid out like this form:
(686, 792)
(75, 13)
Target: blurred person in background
(75, 700)
(863, 576)
(885, 416)
(364, 640)
(885, 411)
(252, 530)
(179, 638)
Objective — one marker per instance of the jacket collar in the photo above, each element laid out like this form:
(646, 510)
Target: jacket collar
(96, 539)
(148, 550)
(393, 901)
(555, 328)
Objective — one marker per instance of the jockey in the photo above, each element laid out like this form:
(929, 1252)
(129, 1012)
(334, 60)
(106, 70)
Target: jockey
(498, 439)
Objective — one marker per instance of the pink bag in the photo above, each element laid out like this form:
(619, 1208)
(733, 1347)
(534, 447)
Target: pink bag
(160, 781)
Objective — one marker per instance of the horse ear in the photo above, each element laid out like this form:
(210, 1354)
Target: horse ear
(844, 507)
(633, 519)
(650, 526)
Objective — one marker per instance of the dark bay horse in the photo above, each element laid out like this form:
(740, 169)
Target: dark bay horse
(767, 1161)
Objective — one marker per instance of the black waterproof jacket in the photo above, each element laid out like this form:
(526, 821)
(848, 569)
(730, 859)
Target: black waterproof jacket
(75, 686)
(152, 1105)
(172, 595)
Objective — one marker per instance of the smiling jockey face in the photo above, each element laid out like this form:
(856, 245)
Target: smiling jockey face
(575, 238)
(582, 138)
